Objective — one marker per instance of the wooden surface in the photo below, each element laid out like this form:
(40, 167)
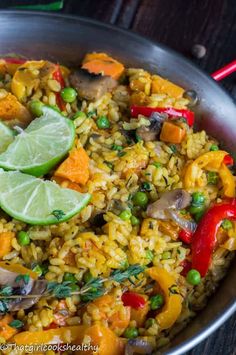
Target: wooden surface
(179, 24)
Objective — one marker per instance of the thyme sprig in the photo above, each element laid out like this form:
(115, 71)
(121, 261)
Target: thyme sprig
(88, 292)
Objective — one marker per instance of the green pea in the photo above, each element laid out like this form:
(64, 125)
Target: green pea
(156, 302)
(149, 255)
(125, 215)
(166, 255)
(226, 224)
(74, 287)
(36, 108)
(116, 147)
(23, 238)
(198, 198)
(68, 94)
(79, 114)
(38, 269)
(87, 277)
(214, 148)
(196, 209)
(131, 332)
(134, 221)
(140, 199)
(137, 138)
(212, 178)
(193, 277)
(103, 122)
(69, 277)
(150, 322)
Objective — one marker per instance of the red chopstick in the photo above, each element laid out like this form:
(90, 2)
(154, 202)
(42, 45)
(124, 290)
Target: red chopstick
(225, 71)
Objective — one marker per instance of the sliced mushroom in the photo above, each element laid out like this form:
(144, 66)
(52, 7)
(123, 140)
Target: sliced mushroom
(138, 346)
(184, 223)
(21, 288)
(39, 287)
(176, 199)
(151, 132)
(91, 86)
(98, 220)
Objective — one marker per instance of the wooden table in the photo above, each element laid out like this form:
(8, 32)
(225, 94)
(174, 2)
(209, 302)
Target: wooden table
(179, 24)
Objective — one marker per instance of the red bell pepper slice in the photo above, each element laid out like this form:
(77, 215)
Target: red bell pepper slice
(172, 112)
(228, 160)
(186, 267)
(204, 238)
(14, 60)
(132, 299)
(185, 236)
(57, 75)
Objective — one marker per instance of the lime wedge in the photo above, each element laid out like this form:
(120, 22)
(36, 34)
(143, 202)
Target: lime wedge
(6, 136)
(36, 201)
(38, 148)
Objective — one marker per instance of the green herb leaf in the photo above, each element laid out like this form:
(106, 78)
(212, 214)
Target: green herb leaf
(121, 154)
(59, 214)
(16, 323)
(60, 290)
(92, 294)
(6, 291)
(25, 278)
(121, 275)
(173, 148)
(3, 306)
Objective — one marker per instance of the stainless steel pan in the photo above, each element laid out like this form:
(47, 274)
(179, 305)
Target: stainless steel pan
(66, 39)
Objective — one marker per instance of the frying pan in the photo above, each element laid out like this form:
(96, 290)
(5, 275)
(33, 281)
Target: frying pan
(66, 39)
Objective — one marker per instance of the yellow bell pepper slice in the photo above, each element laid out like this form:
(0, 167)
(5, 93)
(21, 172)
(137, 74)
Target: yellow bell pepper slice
(56, 336)
(26, 78)
(212, 161)
(102, 337)
(18, 269)
(227, 180)
(173, 301)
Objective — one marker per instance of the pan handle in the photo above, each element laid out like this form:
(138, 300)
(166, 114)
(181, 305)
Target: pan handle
(225, 71)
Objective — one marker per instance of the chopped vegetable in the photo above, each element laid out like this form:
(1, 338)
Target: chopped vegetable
(172, 112)
(164, 86)
(76, 167)
(6, 331)
(139, 315)
(68, 94)
(134, 221)
(5, 243)
(212, 178)
(211, 161)
(173, 300)
(214, 148)
(13, 111)
(185, 236)
(204, 238)
(193, 277)
(69, 277)
(57, 75)
(23, 238)
(228, 160)
(226, 224)
(131, 333)
(156, 302)
(103, 122)
(172, 133)
(47, 336)
(125, 215)
(102, 337)
(228, 181)
(132, 299)
(101, 63)
(36, 108)
(140, 199)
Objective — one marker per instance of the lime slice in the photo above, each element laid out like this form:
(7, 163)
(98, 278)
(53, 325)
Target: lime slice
(6, 136)
(38, 148)
(36, 201)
